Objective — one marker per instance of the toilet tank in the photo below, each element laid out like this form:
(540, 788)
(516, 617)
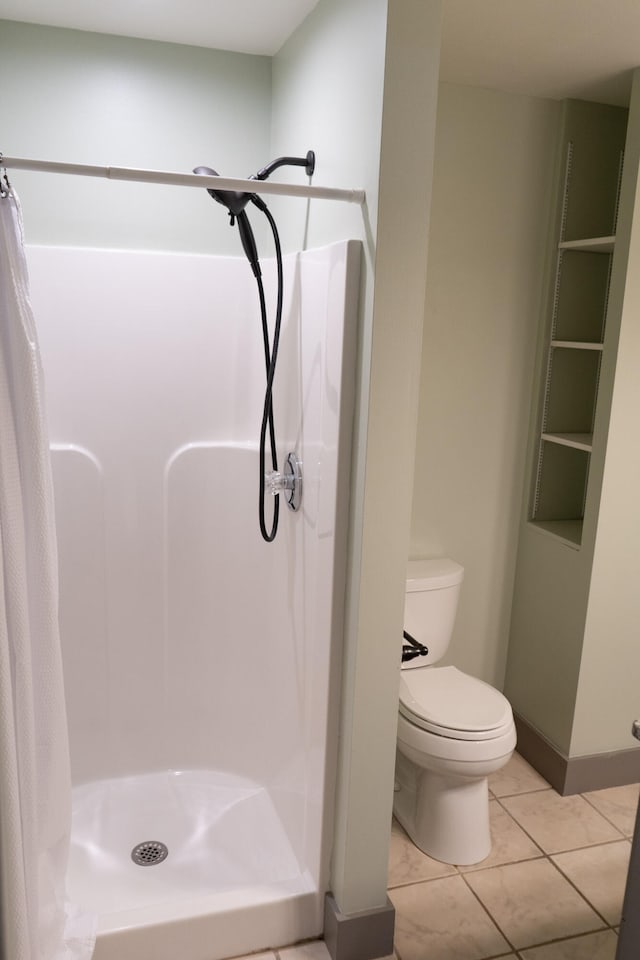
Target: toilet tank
(431, 600)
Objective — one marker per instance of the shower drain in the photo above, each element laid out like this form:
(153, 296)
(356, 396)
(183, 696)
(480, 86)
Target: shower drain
(149, 853)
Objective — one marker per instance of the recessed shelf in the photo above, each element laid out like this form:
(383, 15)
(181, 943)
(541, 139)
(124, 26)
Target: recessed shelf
(571, 391)
(577, 345)
(580, 304)
(561, 482)
(569, 531)
(579, 441)
(589, 244)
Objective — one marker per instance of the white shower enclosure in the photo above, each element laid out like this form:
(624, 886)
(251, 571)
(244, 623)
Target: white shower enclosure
(200, 662)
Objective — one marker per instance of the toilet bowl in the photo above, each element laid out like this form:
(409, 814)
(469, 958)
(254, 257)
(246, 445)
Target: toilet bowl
(453, 730)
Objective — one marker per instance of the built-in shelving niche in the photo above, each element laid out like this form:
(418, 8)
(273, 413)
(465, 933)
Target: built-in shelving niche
(593, 151)
(571, 390)
(581, 295)
(561, 488)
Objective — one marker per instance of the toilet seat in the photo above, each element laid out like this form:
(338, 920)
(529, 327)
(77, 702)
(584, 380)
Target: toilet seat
(449, 703)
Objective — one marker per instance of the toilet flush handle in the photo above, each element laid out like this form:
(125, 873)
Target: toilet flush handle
(412, 648)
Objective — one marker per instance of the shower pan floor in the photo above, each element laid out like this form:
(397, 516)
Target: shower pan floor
(222, 833)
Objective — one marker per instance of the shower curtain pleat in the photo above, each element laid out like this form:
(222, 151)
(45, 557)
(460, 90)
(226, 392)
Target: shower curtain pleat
(35, 785)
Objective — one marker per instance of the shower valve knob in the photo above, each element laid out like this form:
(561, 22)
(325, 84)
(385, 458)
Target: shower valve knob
(289, 482)
(278, 482)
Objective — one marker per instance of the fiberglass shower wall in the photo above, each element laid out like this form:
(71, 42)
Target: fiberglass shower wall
(189, 643)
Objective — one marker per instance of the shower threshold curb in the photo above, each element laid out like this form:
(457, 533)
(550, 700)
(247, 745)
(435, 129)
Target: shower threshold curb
(366, 935)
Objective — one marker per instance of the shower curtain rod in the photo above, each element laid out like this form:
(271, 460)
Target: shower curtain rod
(184, 179)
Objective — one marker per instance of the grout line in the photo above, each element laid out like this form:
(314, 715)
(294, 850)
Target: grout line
(491, 918)
(589, 846)
(463, 871)
(524, 830)
(553, 853)
(614, 825)
(413, 883)
(606, 924)
(546, 857)
(522, 793)
(583, 895)
(573, 936)
(475, 869)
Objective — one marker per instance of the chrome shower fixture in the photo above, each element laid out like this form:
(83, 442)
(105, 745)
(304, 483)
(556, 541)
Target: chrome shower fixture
(288, 482)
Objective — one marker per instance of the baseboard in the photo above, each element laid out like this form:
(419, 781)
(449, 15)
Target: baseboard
(569, 775)
(367, 935)
(541, 754)
(602, 770)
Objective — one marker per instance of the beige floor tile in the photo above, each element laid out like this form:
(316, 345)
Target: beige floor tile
(509, 842)
(595, 946)
(517, 776)
(313, 950)
(532, 902)
(442, 919)
(617, 804)
(600, 874)
(408, 864)
(558, 823)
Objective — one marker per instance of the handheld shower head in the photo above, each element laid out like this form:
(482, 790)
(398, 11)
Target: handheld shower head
(234, 202)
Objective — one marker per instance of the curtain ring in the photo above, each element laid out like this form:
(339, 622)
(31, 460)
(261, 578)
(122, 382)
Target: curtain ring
(5, 186)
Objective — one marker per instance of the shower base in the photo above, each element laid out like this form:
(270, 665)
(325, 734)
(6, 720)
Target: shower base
(226, 885)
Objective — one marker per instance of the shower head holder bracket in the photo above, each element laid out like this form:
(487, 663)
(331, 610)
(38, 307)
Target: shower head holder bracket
(308, 162)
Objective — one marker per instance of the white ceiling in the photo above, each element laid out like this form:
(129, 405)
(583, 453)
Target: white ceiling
(548, 48)
(246, 26)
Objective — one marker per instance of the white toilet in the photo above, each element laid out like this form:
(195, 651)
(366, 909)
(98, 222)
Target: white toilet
(453, 729)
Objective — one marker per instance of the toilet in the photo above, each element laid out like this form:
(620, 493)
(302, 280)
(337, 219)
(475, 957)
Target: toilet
(453, 729)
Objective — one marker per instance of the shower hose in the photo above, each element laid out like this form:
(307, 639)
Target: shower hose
(270, 360)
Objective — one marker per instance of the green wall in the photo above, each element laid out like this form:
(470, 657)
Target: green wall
(493, 175)
(92, 98)
(358, 82)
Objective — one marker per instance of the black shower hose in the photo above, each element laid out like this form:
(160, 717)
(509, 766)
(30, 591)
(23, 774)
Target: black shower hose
(270, 360)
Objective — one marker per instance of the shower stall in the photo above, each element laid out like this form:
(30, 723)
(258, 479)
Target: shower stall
(201, 663)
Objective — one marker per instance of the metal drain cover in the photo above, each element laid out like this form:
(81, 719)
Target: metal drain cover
(150, 852)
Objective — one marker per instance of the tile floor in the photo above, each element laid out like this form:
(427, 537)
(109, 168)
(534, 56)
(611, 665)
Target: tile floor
(311, 950)
(551, 888)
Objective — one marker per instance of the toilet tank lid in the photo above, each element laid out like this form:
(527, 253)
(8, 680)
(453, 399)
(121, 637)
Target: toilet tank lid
(433, 574)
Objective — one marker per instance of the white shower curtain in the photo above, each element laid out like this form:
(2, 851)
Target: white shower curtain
(35, 786)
